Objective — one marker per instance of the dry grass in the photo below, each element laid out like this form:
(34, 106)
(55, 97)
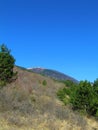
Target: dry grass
(27, 104)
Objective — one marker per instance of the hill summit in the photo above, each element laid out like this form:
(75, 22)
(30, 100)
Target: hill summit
(52, 74)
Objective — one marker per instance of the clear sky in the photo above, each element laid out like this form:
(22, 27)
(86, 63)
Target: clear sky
(55, 34)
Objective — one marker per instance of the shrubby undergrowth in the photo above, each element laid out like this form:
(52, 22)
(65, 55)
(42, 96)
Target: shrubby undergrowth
(83, 96)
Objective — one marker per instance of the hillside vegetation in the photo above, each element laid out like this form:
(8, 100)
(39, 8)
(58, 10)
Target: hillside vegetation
(31, 103)
(83, 97)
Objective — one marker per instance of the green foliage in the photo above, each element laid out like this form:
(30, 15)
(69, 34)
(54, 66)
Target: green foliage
(94, 106)
(61, 94)
(95, 85)
(6, 65)
(82, 96)
(67, 92)
(4, 49)
(69, 83)
(64, 95)
(94, 103)
(44, 82)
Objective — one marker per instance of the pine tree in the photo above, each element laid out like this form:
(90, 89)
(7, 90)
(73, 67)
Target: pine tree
(83, 97)
(7, 62)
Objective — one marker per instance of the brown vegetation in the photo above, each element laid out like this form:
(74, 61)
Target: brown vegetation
(28, 104)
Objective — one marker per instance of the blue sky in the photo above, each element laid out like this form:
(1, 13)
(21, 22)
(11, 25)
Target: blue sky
(55, 34)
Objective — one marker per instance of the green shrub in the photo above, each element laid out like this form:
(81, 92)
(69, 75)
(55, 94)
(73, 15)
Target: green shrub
(83, 97)
(44, 82)
(61, 94)
(69, 83)
(64, 95)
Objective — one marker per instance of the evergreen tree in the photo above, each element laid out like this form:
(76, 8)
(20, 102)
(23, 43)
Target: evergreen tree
(7, 62)
(94, 103)
(95, 85)
(82, 97)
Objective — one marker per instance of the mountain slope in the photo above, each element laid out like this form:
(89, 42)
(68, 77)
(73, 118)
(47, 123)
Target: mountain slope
(28, 104)
(52, 74)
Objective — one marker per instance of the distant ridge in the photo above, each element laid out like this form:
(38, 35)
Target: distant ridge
(52, 74)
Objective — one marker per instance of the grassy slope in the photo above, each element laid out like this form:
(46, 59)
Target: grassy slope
(27, 104)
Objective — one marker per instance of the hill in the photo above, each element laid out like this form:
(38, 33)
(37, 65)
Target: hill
(53, 74)
(31, 103)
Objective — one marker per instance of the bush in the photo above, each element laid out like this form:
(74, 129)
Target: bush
(14, 99)
(67, 92)
(83, 97)
(69, 83)
(94, 103)
(44, 82)
(64, 95)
